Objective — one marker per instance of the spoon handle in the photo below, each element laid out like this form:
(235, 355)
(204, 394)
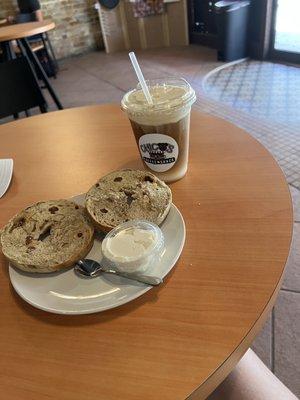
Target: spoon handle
(149, 280)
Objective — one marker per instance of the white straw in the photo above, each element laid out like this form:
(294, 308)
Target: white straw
(140, 77)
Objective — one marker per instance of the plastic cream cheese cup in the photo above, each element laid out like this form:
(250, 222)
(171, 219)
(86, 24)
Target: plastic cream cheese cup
(133, 246)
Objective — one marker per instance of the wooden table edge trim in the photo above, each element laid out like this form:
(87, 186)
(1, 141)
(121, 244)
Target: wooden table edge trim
(217, 377)
(35, 31)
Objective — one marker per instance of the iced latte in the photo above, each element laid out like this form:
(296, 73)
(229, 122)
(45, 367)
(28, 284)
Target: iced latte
(162, 129)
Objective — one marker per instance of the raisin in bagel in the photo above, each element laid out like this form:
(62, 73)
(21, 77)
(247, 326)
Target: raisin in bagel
(126, 195)
(47, 236)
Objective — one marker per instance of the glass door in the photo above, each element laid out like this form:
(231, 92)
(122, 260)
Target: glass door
(285, 35)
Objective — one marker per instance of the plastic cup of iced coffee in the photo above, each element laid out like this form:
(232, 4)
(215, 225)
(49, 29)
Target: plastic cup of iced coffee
(161, 129)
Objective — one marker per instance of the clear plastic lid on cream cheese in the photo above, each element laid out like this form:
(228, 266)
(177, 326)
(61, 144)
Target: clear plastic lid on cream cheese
(133, 246)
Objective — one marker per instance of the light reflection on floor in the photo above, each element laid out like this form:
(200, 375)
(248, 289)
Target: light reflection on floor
(287, 37)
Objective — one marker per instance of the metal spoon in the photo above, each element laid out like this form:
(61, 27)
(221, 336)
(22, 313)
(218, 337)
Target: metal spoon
(92, 269)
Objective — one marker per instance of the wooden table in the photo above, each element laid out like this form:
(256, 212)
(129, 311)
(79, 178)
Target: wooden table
(180, 340)
(20, 33)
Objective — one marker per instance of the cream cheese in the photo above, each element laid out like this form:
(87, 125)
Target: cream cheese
(130, 244)
(133, 246)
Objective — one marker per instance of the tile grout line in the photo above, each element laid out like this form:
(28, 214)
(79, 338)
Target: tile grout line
(273, 340)
(295, 187)
(290, 290)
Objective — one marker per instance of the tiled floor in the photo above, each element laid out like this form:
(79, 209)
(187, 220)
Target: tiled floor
(104, 78)
(100, 78)
(264, 89)
(270, 94)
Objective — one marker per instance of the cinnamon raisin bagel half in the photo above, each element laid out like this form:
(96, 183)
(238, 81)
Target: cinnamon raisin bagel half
(47, 236)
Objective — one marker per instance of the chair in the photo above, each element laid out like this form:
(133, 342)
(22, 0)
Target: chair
(36, 44)
(39, 41)
(19, 88)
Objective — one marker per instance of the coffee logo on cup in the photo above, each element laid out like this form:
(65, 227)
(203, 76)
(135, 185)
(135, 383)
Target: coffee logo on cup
(159, 152)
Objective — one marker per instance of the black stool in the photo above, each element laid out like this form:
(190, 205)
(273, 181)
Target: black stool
(19, 88)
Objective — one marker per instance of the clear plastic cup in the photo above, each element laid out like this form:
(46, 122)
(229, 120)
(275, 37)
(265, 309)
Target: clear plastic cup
(133, 246)
(162, 129)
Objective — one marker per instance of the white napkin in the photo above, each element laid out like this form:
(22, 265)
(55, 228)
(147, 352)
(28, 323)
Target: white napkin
(6, 170)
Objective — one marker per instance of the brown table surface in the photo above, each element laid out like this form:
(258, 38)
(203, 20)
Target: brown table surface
(18, 31)
(179, 340)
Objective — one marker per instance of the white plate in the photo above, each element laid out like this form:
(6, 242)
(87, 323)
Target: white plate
(67, 293)
(6, 170)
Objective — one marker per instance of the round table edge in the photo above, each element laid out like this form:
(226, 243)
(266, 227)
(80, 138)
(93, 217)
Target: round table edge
(35, 31)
